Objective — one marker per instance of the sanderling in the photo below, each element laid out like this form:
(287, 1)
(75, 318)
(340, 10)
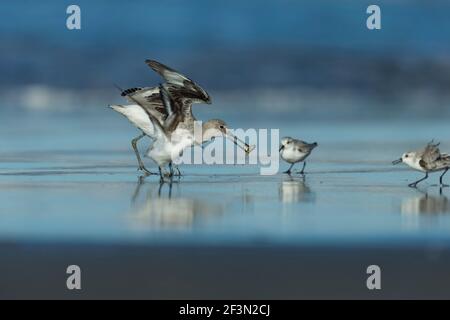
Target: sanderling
(293, 151)
(164, 113)
(427, 160)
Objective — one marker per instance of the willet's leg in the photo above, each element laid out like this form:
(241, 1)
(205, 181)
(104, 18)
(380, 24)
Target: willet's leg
(136, 151)
(170, 189)
(138, 188)
(303, 169)
(289, 170)
(442, 175)
(161, 176)
(178, 171)
(170, 169)
(161, 183)
(414, 184)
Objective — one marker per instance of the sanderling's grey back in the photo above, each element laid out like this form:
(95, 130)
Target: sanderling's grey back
(294, 150)
(428, 159)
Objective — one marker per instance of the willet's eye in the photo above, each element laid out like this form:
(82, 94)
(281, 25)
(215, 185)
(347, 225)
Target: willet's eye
(406, 156)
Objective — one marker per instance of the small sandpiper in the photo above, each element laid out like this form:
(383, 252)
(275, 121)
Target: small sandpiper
(293, 151)
(427, 160)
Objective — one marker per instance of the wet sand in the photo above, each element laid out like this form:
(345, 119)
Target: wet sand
(218, 231)
(222, 236)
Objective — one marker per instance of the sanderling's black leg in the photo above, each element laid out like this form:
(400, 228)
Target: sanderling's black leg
(442, 175)
(414, 184)
(288, 171)
(303, 169)
(136, 151)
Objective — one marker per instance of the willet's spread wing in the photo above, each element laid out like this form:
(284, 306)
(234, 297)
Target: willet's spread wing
(142, 119)
(182, 90)
(160, 132)
(153, 107)
(183, 93)
(174, 116)
(148, 98)
(432, 159)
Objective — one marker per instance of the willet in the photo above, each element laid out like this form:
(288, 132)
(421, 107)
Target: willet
(165, 114)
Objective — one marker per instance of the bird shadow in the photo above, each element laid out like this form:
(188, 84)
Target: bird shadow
(162, 182)
(161, 206)
(426, 202)
(295, 189)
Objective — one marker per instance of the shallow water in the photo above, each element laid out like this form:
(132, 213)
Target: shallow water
(73, 178)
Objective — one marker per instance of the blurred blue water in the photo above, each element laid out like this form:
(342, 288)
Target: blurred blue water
(227, 45)
(420, 26)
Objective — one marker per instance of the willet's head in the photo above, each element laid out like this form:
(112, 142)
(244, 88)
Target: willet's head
(218, 128)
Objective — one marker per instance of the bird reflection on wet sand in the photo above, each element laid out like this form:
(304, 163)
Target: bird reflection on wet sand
(426, 203)
(294, 190)
(159, 209)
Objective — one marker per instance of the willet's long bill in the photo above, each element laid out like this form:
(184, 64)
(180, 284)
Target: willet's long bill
(293, 151)
(427, 160)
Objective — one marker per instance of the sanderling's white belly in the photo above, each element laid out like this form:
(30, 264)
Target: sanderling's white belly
(415, 165)
(292, 156)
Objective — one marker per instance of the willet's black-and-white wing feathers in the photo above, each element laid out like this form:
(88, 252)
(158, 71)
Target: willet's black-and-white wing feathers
(183, 91)
(156, 118)
(170, 103)
(170, 75)
(148, 98)
(174, 116)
